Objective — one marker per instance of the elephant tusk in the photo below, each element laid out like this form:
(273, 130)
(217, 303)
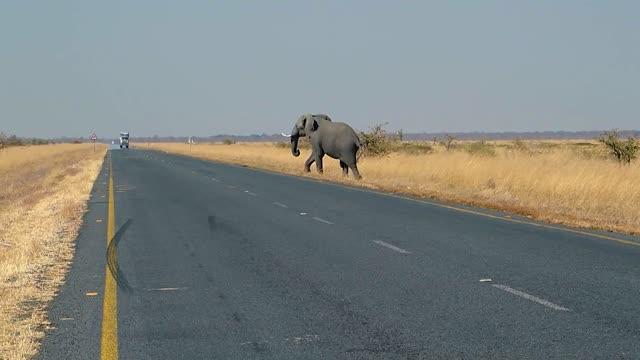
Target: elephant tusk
(285, 135)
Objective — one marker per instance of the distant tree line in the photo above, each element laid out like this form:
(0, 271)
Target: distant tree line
(13, 140)
(401, 135)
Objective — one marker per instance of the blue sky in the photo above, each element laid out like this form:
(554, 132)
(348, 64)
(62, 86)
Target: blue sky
(243, 67)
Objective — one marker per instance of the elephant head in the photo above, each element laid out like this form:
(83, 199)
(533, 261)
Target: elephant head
(305, 125)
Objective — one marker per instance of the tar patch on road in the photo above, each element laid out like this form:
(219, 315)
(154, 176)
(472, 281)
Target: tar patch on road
(212, 223)
(217, 226)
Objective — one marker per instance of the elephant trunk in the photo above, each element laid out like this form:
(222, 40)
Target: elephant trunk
(294, 142)
(294, 146)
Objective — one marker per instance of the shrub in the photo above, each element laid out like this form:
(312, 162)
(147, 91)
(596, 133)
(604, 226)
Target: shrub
(449, 143)
(36, 141)
(6, 141)
(584, 144)
(14, 141)
(520, 145)
(623, 151)
(228, 142)
(375, 143)
(481, 148)
(415, 148)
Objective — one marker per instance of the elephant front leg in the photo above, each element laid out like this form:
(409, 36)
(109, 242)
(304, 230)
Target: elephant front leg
(308, 163)
(319, 163)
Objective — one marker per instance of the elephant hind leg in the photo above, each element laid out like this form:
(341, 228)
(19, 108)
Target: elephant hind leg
(351, 163)
(345, 168)
(356, 173)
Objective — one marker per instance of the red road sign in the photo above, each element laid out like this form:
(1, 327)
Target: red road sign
(94, 137)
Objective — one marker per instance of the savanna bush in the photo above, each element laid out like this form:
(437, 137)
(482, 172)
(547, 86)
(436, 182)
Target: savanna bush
(624, 151)
(375, 142)
(481, 148)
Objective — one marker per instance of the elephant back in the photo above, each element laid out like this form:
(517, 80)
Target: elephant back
(322, 116)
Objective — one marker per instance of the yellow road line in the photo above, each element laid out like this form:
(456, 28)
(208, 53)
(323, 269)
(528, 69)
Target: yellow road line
(109, 340)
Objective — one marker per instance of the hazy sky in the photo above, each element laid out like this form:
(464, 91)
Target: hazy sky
(242, 67)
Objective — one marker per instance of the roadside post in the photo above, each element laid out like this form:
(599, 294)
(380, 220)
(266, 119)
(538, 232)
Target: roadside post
(94, 138)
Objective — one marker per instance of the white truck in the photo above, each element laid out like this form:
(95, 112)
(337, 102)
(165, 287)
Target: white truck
(124, 140)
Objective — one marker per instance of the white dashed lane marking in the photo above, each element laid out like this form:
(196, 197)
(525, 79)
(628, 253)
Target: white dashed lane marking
(389, 246)
(167, 289)
(530, 297)
(281, 205)
(322, 220)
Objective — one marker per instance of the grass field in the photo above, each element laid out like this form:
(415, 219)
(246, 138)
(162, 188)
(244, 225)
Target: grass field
(43, 195)
(566, 182)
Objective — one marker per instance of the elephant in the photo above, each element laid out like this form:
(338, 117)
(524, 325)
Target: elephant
(336, 139)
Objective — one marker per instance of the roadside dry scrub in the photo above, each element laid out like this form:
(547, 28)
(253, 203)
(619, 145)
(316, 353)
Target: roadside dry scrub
(43, 196)
(569, 182)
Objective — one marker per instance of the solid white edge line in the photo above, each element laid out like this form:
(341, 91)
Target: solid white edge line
(394, 248)
(530, 297)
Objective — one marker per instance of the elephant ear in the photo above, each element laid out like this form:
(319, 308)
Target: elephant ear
(310, 124)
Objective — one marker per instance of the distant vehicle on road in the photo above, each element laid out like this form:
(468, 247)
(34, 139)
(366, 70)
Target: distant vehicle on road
(124, 140)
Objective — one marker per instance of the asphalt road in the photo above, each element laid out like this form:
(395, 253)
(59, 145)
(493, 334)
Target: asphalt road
(214, 261)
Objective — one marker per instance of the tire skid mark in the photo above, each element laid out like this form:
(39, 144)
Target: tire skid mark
(112, 262)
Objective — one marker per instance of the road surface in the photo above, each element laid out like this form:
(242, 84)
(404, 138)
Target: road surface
(212, 261)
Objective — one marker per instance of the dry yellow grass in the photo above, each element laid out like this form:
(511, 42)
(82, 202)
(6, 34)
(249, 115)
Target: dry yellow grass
(43, 195)
(569, 182)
